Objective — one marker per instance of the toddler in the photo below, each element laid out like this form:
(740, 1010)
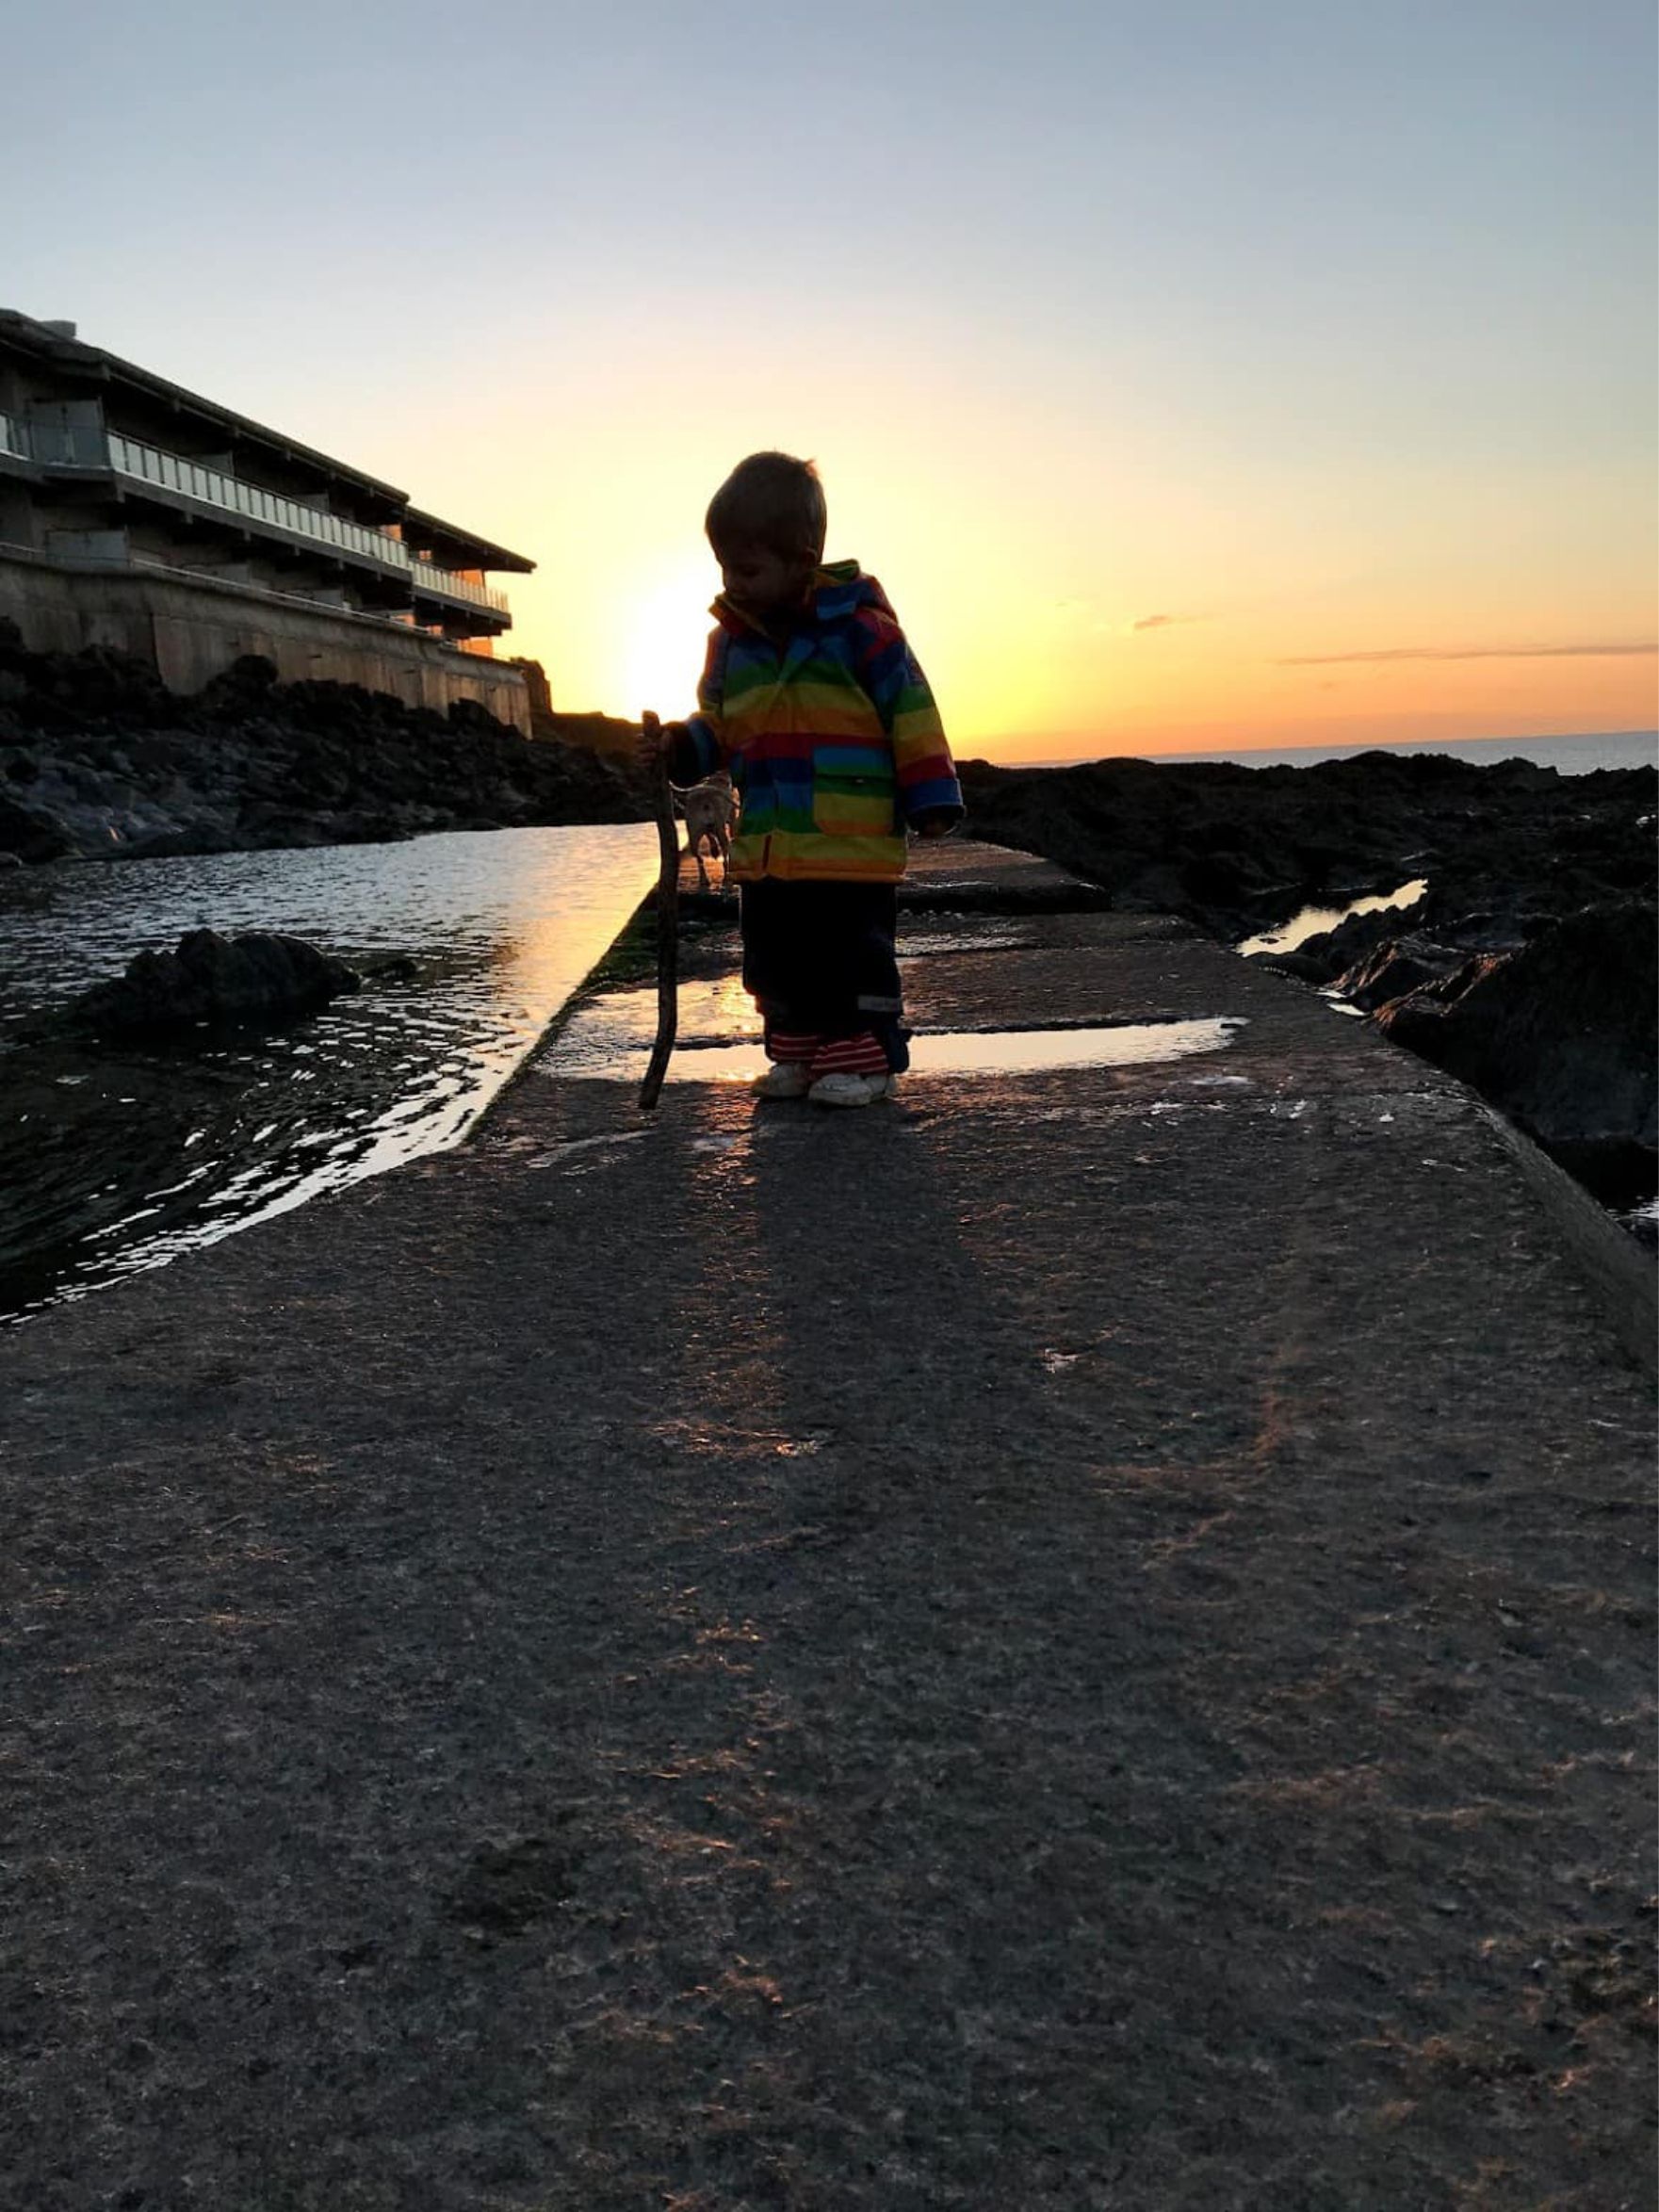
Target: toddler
(813, 699)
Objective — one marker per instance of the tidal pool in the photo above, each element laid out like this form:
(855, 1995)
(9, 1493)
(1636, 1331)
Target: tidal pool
(117, 1158)
(1312, 921)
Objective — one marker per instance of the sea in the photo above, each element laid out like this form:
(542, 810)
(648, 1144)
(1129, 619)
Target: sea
(1567, 755)
(117, 1158)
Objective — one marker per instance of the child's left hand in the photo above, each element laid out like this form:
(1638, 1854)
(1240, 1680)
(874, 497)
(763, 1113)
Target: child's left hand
(653, 741)
(936, 824)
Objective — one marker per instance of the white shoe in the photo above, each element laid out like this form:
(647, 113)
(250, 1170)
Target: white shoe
(853, 1090)
(784, 1078)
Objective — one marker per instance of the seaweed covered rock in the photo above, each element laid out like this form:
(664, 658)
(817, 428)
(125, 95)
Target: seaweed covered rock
(260, 977)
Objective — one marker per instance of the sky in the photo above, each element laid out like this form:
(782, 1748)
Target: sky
(1209, 374)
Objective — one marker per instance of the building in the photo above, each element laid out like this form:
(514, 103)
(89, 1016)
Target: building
(135, 514)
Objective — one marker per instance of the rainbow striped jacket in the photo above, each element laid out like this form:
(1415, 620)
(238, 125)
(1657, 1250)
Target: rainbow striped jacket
(833, 740)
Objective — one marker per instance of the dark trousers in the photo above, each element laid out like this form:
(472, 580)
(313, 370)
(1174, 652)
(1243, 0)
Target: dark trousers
(819, 958)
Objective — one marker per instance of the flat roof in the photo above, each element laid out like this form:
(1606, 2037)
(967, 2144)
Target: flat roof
(491, 555)
(32, 336)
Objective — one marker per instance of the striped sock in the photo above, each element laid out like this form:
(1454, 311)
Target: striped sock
(792, 1047)
(859, 1055)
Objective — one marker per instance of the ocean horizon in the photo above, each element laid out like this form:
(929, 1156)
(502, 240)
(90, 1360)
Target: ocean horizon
(1581, 755)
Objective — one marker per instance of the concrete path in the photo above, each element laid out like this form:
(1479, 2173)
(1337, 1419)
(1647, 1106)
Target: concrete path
(1083, 1639)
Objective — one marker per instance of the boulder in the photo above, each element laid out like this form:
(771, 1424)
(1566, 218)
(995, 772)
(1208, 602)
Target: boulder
(1355, 940)
(1305, 966)
(241, 689)
(1395, 967)
(258, 978)
(1560, 1036)
(33, 833)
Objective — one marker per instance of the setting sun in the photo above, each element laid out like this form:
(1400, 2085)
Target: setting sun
(663, 642)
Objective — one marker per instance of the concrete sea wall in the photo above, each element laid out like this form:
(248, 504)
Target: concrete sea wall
(1079, 1637)
(190, 628)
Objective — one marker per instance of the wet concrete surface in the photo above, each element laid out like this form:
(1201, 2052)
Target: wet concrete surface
(1076, 1639)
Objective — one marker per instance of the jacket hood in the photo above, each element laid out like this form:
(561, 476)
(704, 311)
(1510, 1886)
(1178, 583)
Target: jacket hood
(838, 589)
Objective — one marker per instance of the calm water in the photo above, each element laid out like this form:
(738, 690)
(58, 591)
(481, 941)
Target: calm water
(718, 1040)
(1312, 921)
(116, 1160)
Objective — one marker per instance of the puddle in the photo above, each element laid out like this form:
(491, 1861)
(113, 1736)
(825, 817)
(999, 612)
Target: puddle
(605, 1050)
(1314, 921)
(621, 1022)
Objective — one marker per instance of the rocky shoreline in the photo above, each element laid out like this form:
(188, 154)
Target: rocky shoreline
(1527, 967)
(98, 760)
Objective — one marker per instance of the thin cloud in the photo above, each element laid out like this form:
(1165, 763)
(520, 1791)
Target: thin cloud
(1161, 621)
(1465, 653)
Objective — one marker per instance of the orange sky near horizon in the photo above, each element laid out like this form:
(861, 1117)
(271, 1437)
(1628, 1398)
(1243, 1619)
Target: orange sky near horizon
(1193, 377)
(1072, 592)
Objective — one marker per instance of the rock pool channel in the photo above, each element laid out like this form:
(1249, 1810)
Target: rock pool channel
(114, 1159)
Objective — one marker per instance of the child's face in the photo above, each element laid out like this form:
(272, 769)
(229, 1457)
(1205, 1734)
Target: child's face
(763, 581)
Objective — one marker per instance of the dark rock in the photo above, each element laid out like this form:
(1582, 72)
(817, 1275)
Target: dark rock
(1240, 849)
(1305, 966)
(33, 833)
(1561, 1035)
(267, 823)
(252, 762)
(1395, 967)
(1527, 967)
(259, 977)
(1353, 940)
(1225, 877)
(242, 687)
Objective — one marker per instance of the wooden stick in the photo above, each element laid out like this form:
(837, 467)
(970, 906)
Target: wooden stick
(668, 888)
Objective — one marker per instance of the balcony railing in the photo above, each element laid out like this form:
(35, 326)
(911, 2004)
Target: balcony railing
(212, 487)
(427, 577)
(173, 473)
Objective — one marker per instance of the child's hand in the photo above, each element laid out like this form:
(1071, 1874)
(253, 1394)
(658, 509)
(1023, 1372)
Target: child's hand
(939, 823)
(652, 742)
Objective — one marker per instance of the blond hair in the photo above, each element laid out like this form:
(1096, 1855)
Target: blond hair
(771, 499)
